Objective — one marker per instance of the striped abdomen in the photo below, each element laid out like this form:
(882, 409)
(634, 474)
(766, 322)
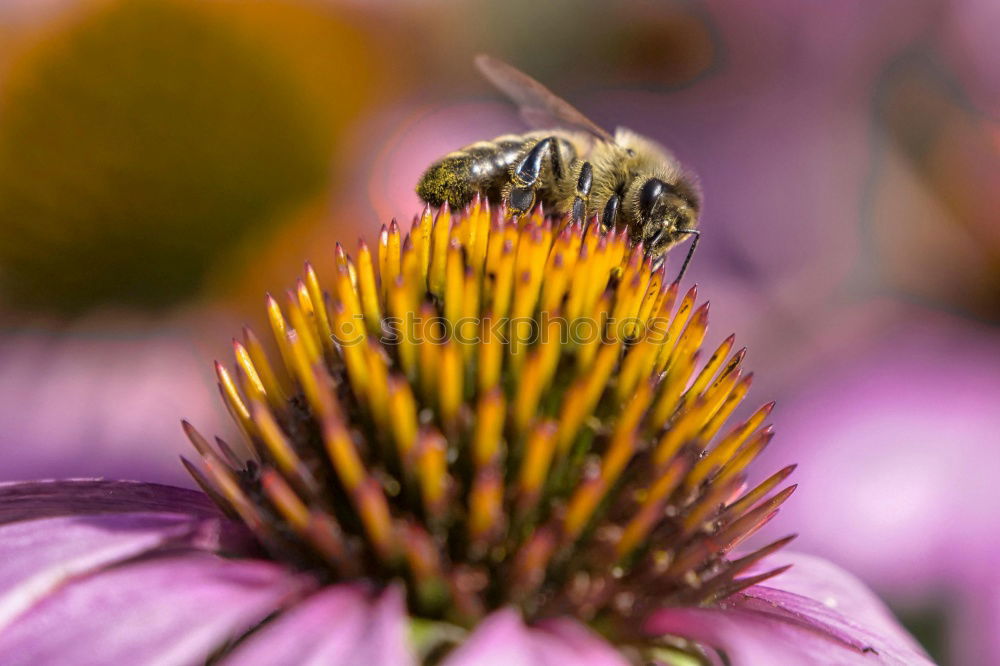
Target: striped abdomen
(481, 167)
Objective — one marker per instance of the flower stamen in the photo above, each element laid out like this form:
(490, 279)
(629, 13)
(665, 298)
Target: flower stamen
(506, 411)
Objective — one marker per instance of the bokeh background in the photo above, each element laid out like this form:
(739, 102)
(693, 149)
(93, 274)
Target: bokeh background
(163, 163)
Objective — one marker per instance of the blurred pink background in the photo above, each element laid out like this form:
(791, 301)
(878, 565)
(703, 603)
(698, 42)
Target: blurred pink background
(849, 155)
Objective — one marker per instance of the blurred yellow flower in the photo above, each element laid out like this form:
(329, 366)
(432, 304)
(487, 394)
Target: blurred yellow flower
(135, 143)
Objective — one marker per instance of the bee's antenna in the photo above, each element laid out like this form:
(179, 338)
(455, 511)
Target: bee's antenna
(694, 244)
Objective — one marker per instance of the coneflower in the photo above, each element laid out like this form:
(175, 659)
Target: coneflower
(489, 441)
(128, 162)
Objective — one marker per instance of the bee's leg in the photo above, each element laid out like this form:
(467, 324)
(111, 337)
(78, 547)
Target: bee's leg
(610, 216)
(654, 244)
(583, 185)
(525, 179)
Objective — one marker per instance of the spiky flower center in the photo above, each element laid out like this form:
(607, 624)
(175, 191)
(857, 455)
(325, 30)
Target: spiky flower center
(503, 412)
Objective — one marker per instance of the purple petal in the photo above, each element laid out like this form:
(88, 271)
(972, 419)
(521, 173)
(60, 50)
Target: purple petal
(819, 615)
(340, 625)
(177, 610)
(40, 555)
(973, 634)
(321, 629)
(386, 639)
(502, 639)
(42, 499)
(100, 508)
(820, 580)
(499, 640)
(561, 641)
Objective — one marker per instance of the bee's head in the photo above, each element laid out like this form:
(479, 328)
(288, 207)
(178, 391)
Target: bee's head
(662, 210)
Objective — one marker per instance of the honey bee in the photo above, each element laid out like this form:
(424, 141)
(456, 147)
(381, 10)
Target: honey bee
(574, 167)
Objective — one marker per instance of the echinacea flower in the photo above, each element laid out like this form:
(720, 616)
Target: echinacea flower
(101, 397)
(922, 399)
(500, 447)
(129, 162)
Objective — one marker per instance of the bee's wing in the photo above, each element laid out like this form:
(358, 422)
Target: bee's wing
(539, 106)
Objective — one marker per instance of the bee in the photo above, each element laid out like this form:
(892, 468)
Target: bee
(574, 167)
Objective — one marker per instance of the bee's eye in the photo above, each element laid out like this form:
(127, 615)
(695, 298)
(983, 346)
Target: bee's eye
(651, 191)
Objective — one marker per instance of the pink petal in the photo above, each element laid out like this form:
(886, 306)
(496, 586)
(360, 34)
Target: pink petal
(210, 529)
(820, 580)
(339, 625)
(502, 639)
(54, 531)
(39, 555)
(176, 610)
(820, 615)
(41, 499)
(322, 629)
(385, 641)
(560, 641)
